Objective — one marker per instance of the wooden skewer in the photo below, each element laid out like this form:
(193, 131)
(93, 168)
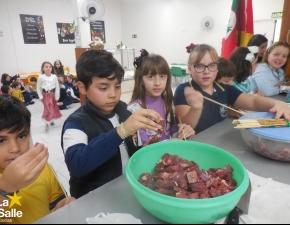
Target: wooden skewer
(245, 114)
(66, 196)
(182, 129)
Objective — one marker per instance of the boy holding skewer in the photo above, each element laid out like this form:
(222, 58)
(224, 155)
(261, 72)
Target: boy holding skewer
(27, 182)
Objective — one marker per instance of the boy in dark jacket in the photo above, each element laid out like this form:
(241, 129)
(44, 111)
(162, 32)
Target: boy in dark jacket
(97, 138)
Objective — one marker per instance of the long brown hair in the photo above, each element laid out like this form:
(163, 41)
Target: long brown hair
(153, 64)
(47, 62)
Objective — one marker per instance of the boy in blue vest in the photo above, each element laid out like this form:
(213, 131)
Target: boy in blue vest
(97, 138)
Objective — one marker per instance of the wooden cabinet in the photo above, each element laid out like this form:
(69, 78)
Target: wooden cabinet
(78, 52)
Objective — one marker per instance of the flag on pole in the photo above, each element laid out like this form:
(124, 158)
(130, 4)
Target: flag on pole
(240, 26)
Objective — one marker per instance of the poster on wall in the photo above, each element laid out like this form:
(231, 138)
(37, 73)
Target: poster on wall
(98, 30)
(32, 29)
(66, 33)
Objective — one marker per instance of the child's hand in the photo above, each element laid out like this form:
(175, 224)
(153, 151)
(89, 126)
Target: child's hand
(64, 202)
(142, 118)
(281, 109)
(185, 129)
(194, 98)
(24, 169)
(279, 84)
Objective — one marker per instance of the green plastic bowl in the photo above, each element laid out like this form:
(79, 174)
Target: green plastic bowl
(178, 210)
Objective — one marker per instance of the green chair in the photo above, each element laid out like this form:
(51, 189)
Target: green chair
(177, 75)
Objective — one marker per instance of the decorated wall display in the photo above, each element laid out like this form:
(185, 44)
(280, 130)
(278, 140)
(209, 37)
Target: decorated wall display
(32, 29)
(66, 33)
(98, 30)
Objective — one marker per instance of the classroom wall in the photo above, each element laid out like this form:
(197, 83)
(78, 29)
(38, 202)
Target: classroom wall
(162, 26)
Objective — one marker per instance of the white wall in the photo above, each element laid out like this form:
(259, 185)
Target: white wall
(17, 57)
(164, 27)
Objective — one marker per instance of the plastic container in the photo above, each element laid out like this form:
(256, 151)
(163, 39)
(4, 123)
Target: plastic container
(178, 210)
(273, 143)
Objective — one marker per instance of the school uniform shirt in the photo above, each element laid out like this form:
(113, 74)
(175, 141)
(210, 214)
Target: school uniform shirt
(17, 94)
(244, 86)
(211, 112)
(94, 152)
(265, 78)
(157, 104)
(38, 198)
(48, 83)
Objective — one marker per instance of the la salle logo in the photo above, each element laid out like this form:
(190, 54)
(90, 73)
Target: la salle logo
(11, 212)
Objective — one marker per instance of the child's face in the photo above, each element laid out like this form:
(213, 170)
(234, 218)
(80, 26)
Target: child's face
(206, 78)
(69, 80)
(226, 80)
(57, 64)
(7, 78)
(103, 93)
(18, 79)
(154, 84)
(32, 83)
(262, 49)
(61, 79)
(47, 68)
(278, 56)
(12, 145)
(75, 83)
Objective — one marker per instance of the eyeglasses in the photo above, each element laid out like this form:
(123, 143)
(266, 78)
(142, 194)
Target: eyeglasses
(199, 68)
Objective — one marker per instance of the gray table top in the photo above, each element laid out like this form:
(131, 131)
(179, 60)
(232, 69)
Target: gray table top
(117, 196)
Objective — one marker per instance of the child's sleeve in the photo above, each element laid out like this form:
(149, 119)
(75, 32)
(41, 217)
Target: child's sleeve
(39, 85)
(56, 89)
(56, 193)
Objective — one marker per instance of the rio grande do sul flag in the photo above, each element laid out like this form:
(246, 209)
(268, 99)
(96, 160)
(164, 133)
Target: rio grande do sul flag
(240, 27)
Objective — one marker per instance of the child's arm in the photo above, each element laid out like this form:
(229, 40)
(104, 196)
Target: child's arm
(57, 89)
(82, 156)
(263, 104)
(24, 169)
(39, 87)
(190, 113)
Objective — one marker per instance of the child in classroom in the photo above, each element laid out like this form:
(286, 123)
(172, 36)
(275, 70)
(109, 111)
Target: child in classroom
(269, 75)
(16, 91)
(245, 60)
(6, 79)
(226, 71)
(33, 87)
(60, 69)
(189, 97)
(25, 91)
(152, 90)
(6, 89)
(262, 42)
(75, 88)
(48, 92)
(97, 138)
(64, 99)
(24, 172)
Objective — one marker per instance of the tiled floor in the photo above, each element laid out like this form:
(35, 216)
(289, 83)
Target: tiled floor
(52, 139)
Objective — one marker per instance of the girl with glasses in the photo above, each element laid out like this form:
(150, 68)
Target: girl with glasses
(203, 67)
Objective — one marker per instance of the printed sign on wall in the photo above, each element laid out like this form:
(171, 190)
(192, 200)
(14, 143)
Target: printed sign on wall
(32, 29)
(66, 33)
(98, 30)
